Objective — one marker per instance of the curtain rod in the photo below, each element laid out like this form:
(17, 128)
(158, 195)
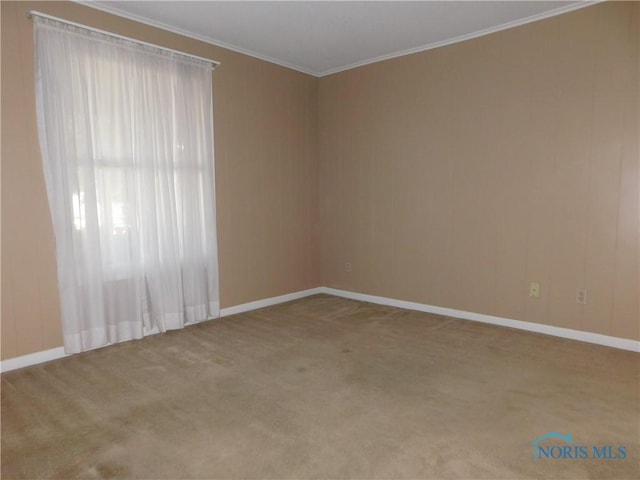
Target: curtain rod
(34, 13)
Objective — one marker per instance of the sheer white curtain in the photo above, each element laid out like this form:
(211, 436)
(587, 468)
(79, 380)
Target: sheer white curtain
(126, 135)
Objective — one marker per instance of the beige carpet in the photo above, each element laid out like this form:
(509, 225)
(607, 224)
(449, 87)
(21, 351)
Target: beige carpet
(323, 387)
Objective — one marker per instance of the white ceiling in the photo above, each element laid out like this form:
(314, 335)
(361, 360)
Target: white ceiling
(324, 37)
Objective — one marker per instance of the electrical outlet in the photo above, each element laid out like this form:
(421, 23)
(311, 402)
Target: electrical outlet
(347, 267)
(581, 296)
(534, 289)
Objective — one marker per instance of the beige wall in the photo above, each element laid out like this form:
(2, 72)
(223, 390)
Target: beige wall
(266, 169)
(456, 176)
(453, 177)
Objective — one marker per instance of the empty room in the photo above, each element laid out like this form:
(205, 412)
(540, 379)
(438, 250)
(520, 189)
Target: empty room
(330, 240)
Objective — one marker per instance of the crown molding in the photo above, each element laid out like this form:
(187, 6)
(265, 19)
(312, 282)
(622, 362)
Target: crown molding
(468, 36)
(188, 34)
(461, 38)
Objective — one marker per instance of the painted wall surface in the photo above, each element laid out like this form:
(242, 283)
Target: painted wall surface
(266, 177)
(457, 176)
(453, 177)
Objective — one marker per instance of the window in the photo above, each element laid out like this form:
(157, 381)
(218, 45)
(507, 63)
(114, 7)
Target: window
(126, 134)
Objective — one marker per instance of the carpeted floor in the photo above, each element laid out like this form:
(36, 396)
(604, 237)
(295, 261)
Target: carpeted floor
(324, 387)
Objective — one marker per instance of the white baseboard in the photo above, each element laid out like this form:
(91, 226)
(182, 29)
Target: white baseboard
(588, 337)
(32, 359)
(615, 342)
(55, 353)
(267, 302)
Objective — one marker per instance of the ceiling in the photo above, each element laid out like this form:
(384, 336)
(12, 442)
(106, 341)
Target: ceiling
(324, 37)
